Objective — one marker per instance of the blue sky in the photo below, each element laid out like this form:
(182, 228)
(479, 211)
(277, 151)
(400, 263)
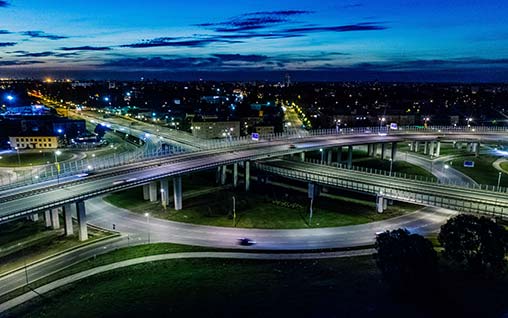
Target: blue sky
(387, 40)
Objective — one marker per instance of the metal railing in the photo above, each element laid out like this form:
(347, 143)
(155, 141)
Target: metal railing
(50, 171)
(419, 192)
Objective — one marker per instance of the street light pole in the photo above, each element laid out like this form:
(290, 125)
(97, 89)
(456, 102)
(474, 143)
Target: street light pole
(148, 223)
(391, 166)
(57, 153)
(19, 159)
(499, 180)
(234, 211)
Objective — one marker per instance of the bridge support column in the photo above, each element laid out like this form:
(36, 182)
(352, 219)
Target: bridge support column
(217, 175)
(417, 145)
(322, 152)
(394, 151)
(438, 149)
(349, 157)
(339, 155)
(34, 217)
(177, 192)
(425, 147)
(235, 174)
(81, 214)
(47, 218)
(247, 175)
(67, 212)
(477, 149)
(146, 192)
(385, 204)
(369, 150)
(431, 152)
(302, 156)
(383, 150)
(223, 175)
(459, 145)
(55, 220)
(411, 146)
(153, 191)
(379, 203)
(329, 154)
(164, 192)
(374, 150)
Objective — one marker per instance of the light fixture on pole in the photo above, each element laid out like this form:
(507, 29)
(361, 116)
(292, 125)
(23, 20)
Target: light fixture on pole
(57, 165)
(148, 223)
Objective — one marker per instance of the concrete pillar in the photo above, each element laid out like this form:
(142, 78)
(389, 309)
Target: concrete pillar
(55, 220)
(81, 214)
(247, 175)
(411, 146)
(34, 217)
(67, 212)
(374, 150)
(438, 149)
(235, 174)
(47, 218)
(349, 157)
(218, 175)
(379, 204)
(339, 155)
(477, 149)
(417, 145)
(146, 192)
(164, 192)
(302, 156)
(385, 204)
(177, 191)
(223, 175)
(383, 150)
(425, 147)
(153, 191)
(329, 154)
(459, 145)
(369, 150)
(394, 151)
(431, 152)
(322, 152)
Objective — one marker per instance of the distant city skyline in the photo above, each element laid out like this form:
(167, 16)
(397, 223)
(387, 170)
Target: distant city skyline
(395, 40)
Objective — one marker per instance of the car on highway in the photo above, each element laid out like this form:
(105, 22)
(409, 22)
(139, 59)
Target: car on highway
(292, 146)
(245, 241)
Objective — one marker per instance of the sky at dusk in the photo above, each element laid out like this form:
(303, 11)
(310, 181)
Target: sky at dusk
(395, 40)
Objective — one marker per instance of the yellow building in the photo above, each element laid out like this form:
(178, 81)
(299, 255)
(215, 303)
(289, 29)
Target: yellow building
(34, 142)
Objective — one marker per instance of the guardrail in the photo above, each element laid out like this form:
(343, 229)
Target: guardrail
(408, 191)
(50, 171)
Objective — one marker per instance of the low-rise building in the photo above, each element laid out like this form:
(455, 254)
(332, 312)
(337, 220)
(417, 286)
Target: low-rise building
(34, 142)
(264, 130)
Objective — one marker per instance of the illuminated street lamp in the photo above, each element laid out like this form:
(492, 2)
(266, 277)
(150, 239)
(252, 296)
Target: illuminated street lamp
(499, 179)
(148, 223)
(57, 165)
(391, 166)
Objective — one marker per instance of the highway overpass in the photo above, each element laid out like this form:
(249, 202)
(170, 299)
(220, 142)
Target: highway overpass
(51, 195)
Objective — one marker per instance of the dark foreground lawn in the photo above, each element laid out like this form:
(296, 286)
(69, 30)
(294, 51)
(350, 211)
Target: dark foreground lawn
(349, 287)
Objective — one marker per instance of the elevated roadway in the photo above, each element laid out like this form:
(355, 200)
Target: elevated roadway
(34, 198)
(466, 199)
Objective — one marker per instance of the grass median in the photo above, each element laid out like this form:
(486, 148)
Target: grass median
(265, 207)
(483, 172)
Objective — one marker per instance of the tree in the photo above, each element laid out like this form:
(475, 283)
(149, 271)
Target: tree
(407, 261)
(478, 244)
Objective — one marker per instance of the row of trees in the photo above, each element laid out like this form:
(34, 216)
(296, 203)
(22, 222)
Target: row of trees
(473, 244)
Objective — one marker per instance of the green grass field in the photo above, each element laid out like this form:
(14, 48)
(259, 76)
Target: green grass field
(483, 171)
(348, 287)
(504, 166)
(33, 158)
(398, 166)
(266, 207)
